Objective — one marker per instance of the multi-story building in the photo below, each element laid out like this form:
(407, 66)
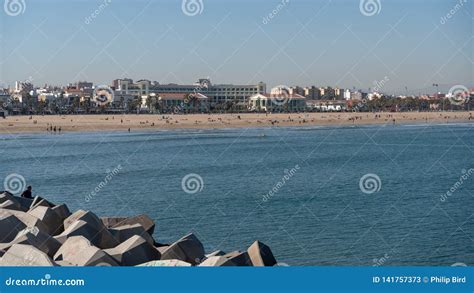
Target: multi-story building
(312, 93)
(218, 93)
(296, 90)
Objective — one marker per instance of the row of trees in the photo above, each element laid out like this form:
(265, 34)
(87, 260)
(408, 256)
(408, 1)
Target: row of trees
(191, 104)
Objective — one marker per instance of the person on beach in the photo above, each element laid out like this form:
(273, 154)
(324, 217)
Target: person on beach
(27, 192)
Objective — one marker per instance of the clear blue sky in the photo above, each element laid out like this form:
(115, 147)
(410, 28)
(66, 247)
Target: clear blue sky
(308, 42)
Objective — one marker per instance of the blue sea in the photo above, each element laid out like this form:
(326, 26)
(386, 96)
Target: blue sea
(361, 196)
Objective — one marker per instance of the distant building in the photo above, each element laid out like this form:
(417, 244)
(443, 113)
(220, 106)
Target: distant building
(312, 93)
(277, 102)
(218, 93)
(296, 90)
(23, 87)
(183, 102)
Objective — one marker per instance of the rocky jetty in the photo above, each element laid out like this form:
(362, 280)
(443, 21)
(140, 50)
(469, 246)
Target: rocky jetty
(36, 232)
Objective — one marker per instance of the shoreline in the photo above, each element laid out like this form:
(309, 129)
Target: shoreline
(122, 123)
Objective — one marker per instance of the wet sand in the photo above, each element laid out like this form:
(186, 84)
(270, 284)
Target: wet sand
(87, 123)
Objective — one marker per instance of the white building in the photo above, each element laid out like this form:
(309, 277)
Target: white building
(277, 103)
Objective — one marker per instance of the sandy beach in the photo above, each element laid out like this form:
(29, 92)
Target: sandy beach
(86, 123)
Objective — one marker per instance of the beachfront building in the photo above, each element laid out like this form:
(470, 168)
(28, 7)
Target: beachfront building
(216, 93)
(183, 102)
(277, 103)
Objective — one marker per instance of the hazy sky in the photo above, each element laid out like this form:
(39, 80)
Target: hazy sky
(305, 43)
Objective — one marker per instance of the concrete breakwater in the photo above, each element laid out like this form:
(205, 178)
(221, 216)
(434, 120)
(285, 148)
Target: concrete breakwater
(36, 232)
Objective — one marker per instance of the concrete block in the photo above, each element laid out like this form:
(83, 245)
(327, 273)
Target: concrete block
(25, 255)
(261, 255)
(165, 263)
(136, 250)
(143, 220)
(79, 251)
(122, 233)
(49, 217)
(9, 227)
(188, 249)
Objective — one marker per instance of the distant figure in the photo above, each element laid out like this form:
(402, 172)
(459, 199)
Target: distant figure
(27, 192)
(54, 129)
(129, 130)
(59, 129)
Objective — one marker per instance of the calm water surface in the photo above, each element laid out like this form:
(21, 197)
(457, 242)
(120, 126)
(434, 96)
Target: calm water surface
(317, 216)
